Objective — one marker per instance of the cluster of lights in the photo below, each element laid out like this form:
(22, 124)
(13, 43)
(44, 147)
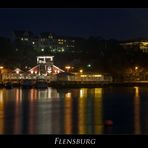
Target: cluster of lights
(1, 67)
(96, 76)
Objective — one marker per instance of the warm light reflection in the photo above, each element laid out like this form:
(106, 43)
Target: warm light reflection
(42, 94)
(82, 111)
(32, 112)
(32, 95)
(68, 95)
(136, 91)
(90, 110)
(17, 120)
(98, 119)
(68, 113)
(137, 124)
(52, 94)
(49, 93)
(83, 92)
(1, 112)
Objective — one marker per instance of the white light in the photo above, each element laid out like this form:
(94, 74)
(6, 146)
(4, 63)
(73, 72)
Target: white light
(17, 71)
(31, 71)
(33, 42)
(42, 49)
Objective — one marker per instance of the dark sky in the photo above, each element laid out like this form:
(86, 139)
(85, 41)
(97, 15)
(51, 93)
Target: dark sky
(117, 23)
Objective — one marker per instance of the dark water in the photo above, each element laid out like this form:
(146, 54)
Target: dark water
(74, 111)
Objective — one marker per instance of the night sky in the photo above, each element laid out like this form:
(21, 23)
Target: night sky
(117, 23)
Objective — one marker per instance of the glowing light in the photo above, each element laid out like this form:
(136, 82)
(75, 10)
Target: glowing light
(83, 93)
(137, 117)
(35, 72)
(33, 43)
(97, 75)
(136, 67)
(1, 67)
(42, 49)
(67, 68)
(1, 112)
(98, 118)
(68, 113)
(17, 71)
(89, 65)
(83, 76)
(81, 70)
(68, 95)
(136, 91)
(31, 71)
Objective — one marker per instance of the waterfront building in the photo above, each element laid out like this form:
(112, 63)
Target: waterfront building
(45, 69)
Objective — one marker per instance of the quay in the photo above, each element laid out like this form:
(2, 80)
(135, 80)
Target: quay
(45, 74)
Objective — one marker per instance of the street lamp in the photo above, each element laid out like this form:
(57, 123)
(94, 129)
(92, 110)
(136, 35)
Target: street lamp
(137, 72)
(67, 68)
(81, 71)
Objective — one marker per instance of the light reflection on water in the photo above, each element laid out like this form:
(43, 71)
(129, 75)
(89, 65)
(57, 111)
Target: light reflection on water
(73, 111)
(137, 125)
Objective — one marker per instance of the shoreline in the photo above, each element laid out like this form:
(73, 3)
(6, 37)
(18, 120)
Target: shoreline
(95, 85)
(75, 84)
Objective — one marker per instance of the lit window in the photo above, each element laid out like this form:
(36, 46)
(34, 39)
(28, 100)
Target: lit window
(60, 42)
(62, 49)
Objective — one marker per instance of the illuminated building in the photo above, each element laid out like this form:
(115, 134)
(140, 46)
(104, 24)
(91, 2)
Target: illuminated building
(137, 45)
(48, 41)
(45, 66)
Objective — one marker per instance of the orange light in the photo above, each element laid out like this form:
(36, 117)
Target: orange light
(67, 68)
(17, 71)
(136, 67)
(1, 67)
(81, 70)
(31, 71)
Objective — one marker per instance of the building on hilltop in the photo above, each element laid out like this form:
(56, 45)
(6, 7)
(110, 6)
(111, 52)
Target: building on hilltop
(47, 41)
(141, 45)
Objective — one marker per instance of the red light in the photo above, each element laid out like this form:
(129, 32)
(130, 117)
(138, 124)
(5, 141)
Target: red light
(108, 122)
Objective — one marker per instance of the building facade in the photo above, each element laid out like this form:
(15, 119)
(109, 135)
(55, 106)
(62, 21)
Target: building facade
(47, 41)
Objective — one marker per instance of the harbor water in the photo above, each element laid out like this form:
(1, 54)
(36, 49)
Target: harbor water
(99, 111)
